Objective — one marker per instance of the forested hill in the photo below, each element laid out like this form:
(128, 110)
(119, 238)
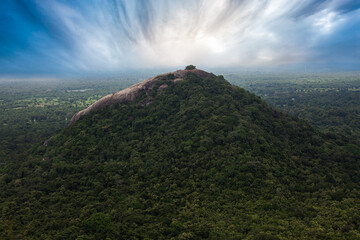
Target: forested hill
(197, 159)
(146, 87)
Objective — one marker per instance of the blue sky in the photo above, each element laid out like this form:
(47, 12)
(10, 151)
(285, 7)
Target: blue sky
(105, 36)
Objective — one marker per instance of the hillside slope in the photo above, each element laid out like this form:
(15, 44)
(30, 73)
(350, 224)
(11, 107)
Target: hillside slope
(130, 94)
(197, 159)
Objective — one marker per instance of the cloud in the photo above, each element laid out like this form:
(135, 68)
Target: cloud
(112, 35)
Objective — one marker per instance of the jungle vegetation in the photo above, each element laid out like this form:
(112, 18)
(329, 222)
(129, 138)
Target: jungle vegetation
(202, 159)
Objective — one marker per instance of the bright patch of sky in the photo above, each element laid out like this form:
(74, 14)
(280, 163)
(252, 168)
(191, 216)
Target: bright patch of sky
(58, 36)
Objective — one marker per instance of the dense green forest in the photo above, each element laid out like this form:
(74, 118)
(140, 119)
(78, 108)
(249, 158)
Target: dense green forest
(202, 159)
(33, 110)
(329, 101)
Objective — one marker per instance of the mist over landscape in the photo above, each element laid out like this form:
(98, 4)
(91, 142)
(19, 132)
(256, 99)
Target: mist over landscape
(179, 119)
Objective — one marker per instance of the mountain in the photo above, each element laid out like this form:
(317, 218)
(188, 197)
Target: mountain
(130, 94)
(183, 155)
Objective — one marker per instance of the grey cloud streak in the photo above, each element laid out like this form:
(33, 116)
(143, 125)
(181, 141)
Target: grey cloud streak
(110, 35)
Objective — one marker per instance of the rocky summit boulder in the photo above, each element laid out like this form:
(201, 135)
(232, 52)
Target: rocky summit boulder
(130, 93)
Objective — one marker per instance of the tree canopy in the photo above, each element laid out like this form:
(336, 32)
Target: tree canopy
(190, 67)
(200, 159)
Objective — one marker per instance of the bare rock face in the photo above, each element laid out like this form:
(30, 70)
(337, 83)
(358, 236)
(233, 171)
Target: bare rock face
(131, 93)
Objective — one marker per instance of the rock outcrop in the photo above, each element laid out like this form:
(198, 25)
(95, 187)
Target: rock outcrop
(130, 94)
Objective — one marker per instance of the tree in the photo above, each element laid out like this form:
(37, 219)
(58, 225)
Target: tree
(99, 225)
(190, 67)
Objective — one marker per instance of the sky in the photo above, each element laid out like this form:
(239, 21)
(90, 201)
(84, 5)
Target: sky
(108, 36)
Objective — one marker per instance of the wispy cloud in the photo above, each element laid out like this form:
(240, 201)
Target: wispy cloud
(64, 35)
